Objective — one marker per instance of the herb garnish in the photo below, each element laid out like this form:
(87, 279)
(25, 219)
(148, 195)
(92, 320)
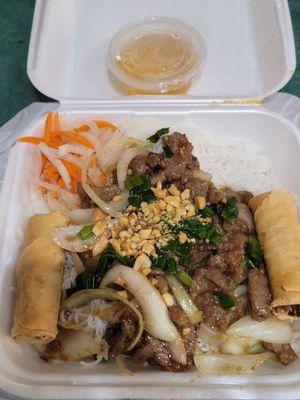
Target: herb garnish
(184, 278)
(139, 187)
(228, 211)
(196, 229)
(225, 300)
(157, 135)
(168, 152)
(254, 256)
(91, 280)
(86, 232)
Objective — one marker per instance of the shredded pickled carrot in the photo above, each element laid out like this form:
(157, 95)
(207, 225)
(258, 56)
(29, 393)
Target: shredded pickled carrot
(75, 137)
(56, 122)
(48, 126)
(60, 182)
(106, 124)
(74, 171)
(32, 139)
(92, 163)
(82, 128)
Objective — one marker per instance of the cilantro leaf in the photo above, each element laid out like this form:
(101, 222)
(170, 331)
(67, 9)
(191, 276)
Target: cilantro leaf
(226, 301)
(168, 152)
(139, 187)
(253, 252)
(157, 135)
(228, 211)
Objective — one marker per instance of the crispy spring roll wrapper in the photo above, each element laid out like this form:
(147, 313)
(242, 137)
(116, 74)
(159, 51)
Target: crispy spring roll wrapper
(39, 276)
(42, 225)
(278, 229)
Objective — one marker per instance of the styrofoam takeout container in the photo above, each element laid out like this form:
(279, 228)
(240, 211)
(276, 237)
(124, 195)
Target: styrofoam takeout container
(250, 56)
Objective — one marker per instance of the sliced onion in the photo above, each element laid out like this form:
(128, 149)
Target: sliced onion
(91, 193)
(74, 149)
(68, 197)
(78, 264)
(109, 153)
(154, 309)
(124, 161)
(73, 159)
(238, 345)
(230, 364)
(271, 330)
(83, 297)
(63, 172)
(184, 300)
(121, 204)
(178, 350)
(210, 337)
(246, 216)
(240, 290)
(73, 345)
(67, 239)
(81, 216)
(55, 205)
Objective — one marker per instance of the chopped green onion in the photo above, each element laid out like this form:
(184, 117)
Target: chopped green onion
(254, 251)
(103, 361)
(207, 212)
(228, 211)
(168, 152)
(225, 300)
(86, 232)
(157, 135)
(139, 187)
(86, 280)
(194, 228)
(184, 278)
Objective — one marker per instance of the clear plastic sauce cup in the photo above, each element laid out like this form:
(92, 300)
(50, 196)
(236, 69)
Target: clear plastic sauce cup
(156, 56)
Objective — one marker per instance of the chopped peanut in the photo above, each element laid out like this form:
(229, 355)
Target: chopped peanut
(186, 331)
(145, 233)
(146, 271)
(99, 228)
(174, 191)
(123, 221)
(120, 281)
(200, 202)
(100, 246)
(185, 195)
(147, 248)
(182, 237)
(168, 299)
(98, 215)
(173, 201)
(142, 261)
(160, 193)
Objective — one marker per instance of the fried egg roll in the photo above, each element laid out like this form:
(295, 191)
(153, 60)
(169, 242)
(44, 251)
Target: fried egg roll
(39, 276)
(278, 229)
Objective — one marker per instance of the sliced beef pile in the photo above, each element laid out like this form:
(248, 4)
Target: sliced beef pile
(119, 336)
(89, 261)
(206, 282)
(187, 331)
(285, 353)
(157, 352)
(177, 168)
(200, 251)
(232, 251)
(259, 294)
(106, 192)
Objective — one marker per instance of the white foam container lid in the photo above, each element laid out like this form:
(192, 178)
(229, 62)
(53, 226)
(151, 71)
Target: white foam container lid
(250, 56)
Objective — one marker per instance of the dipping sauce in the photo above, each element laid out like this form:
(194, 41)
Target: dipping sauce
(160, 55)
